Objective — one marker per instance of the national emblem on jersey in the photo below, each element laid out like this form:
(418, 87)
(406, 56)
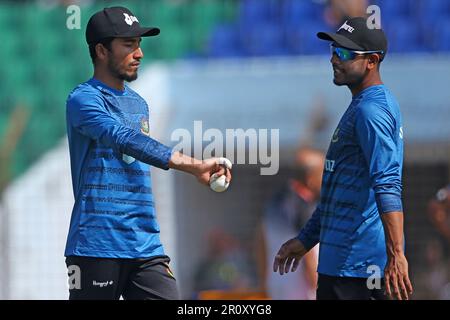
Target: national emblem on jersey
(335, 136)
(145, 128)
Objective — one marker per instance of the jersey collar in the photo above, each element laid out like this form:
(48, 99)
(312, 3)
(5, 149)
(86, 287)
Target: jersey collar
(103, 87)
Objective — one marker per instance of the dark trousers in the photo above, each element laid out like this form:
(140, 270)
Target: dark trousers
(109, 279)
(346, 288)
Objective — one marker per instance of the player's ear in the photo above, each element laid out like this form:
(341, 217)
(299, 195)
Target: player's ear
(101, 51)
(373, 61)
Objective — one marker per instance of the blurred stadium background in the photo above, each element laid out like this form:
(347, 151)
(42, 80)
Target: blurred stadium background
(232, 64)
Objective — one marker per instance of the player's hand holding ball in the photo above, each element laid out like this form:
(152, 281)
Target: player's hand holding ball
(215, 172)
(219, 183)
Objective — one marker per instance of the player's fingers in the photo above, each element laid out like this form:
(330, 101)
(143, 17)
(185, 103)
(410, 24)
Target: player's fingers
(225, 162)
(279, 264)
(408, 284)
(278, 260)
(281, 267)
(229, 177)
(401, 284)
(295, 264)
(275, 264)
(396, 290)
(287, 266)
(387, 281)
(219, 171)
(282, 256)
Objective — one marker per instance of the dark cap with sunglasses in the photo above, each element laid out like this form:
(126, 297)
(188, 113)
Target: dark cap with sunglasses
(355, 34)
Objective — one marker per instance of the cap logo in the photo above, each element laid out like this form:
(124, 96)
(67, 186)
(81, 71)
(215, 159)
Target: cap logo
(130, 19)
(346, 27)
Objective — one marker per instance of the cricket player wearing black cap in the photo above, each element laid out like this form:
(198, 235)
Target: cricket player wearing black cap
(359, 219)
(114, 238)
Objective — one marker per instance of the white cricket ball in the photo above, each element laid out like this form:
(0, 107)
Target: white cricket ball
(218, 184)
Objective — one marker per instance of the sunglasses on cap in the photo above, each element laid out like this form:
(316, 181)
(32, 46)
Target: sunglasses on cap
(347, 54)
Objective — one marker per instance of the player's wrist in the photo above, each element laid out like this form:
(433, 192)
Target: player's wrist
(185, 163)
(395, 250)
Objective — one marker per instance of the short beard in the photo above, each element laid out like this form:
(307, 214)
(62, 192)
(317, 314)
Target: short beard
(351, 80)
(339, 83)
(112, 67)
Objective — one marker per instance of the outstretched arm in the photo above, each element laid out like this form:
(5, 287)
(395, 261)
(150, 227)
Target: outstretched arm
(201, 169)
(89, 117)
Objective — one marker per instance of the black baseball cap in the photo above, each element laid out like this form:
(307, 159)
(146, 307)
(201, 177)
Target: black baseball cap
(116, 22)
(355, 34)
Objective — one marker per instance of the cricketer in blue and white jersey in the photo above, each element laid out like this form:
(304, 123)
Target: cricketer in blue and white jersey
(361, 180)
(114, 214)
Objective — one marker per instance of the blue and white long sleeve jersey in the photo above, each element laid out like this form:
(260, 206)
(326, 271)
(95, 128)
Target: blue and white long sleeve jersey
(110, 154)
(361, 180)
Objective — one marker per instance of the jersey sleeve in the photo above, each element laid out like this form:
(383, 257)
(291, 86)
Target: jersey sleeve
(378, 138)
(310, 234)
(86, 114)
